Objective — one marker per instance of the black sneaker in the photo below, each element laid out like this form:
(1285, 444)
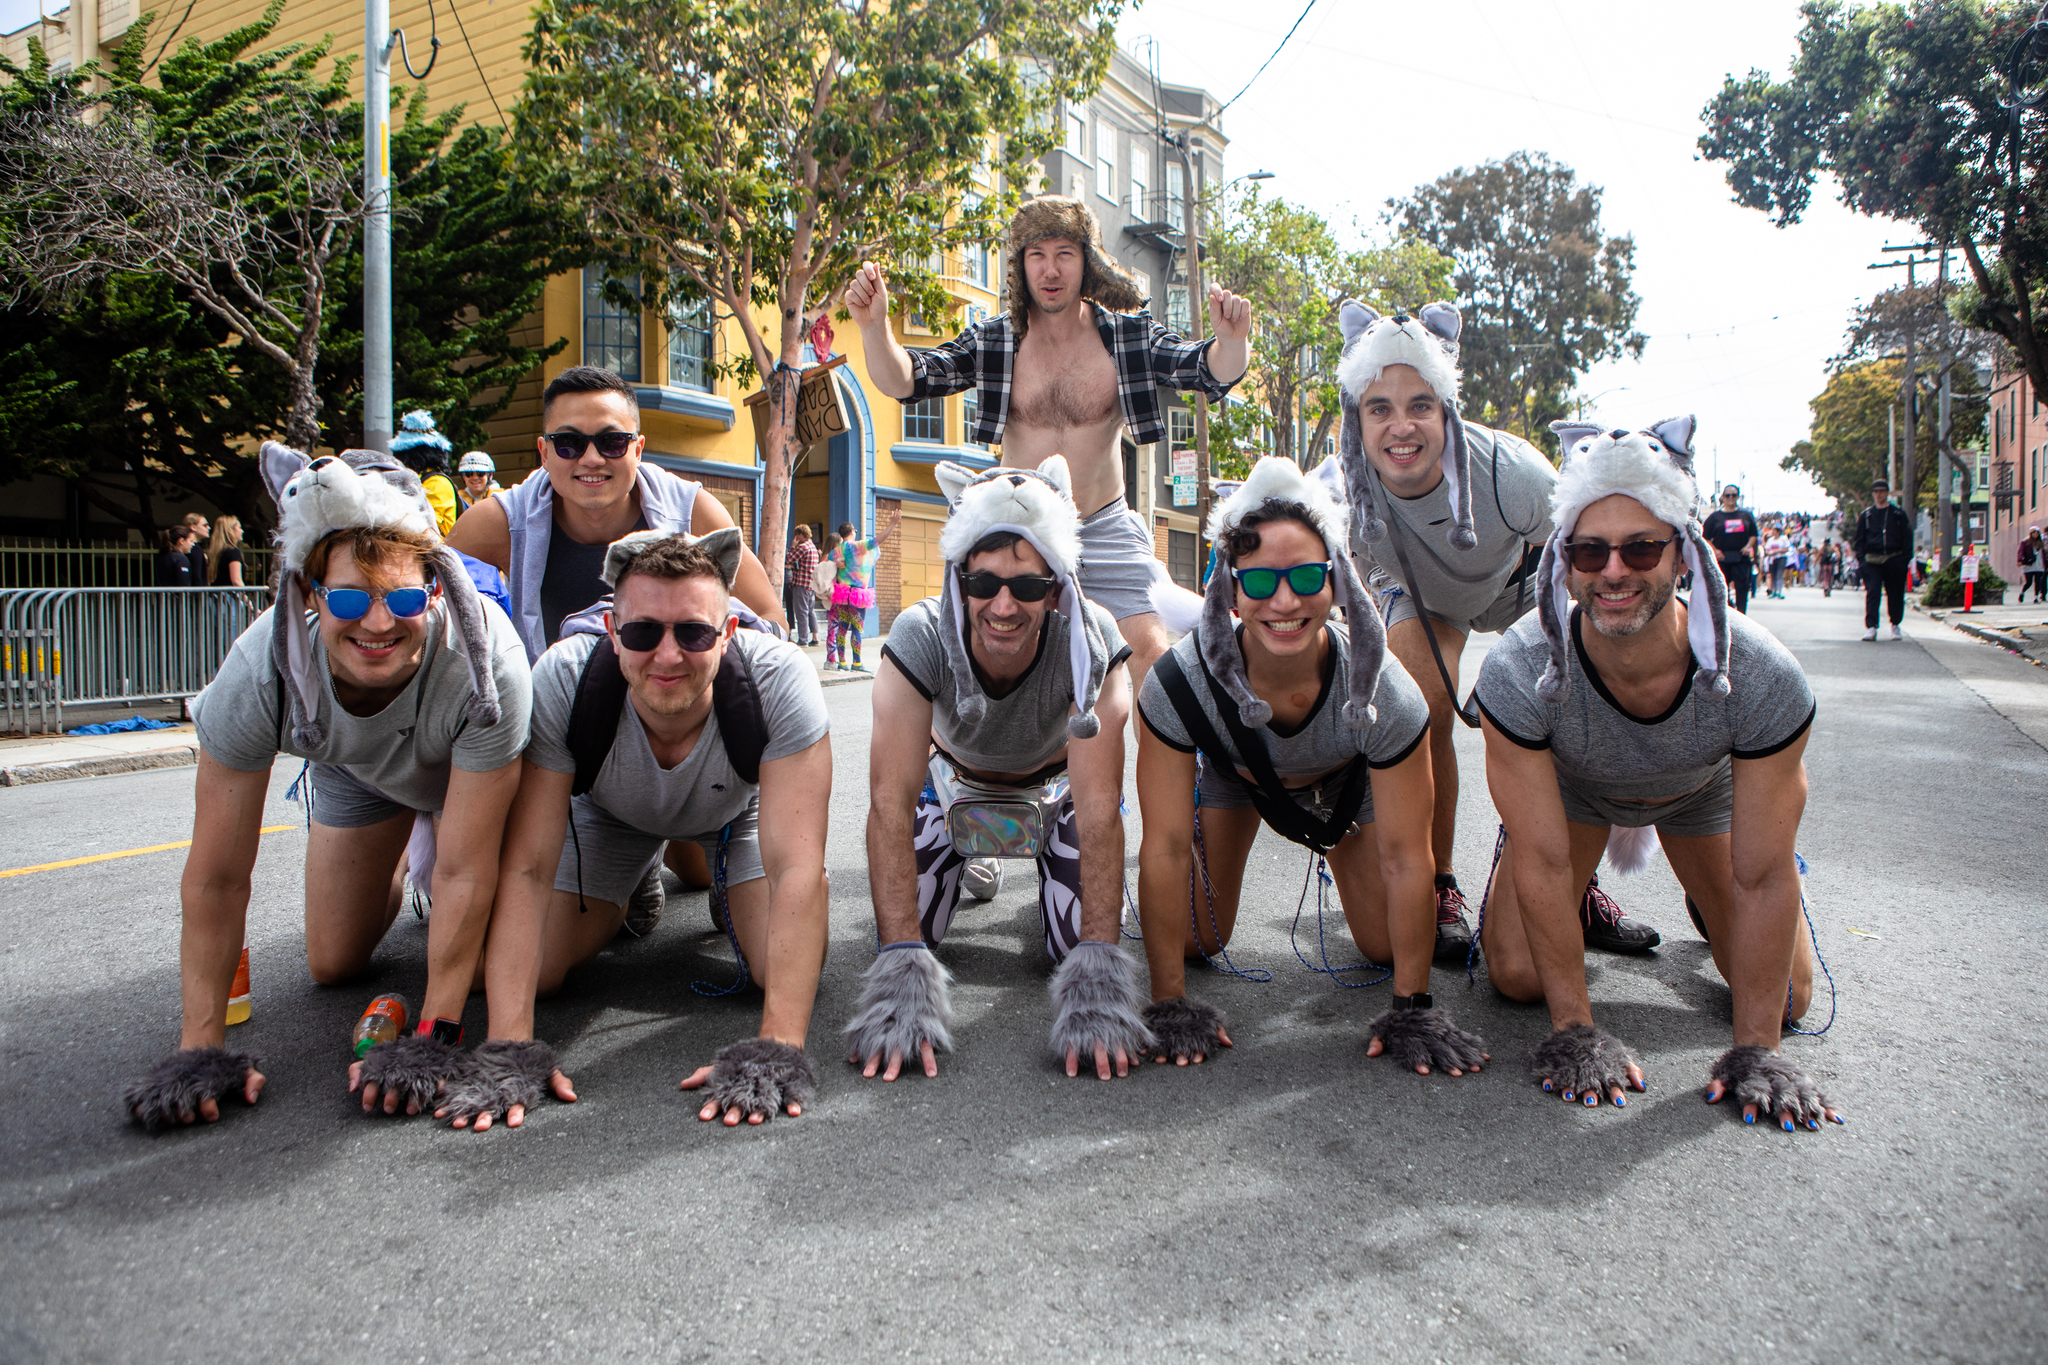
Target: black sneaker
(1453, 935)
(1608, 929)
(1692, 908)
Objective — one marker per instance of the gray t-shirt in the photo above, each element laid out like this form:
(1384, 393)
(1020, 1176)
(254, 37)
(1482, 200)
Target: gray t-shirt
(1459, 585)
(1026, 727)
(1322, 742)
(698, 796)
(1606, 751)
(404, 751)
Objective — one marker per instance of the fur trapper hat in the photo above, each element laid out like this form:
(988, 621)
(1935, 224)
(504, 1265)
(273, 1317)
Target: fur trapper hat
(1428, 343)
(1653, 466)
(1278, 479)
(722, 545)
(1103, 281)
(315, 498)
(1037, 504)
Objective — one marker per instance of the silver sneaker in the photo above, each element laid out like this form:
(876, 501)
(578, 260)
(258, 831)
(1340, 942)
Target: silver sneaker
(1896, 635)
(1870, 634)
(982, 878)
(644, 906)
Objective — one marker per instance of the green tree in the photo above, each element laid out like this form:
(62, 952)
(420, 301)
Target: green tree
(756, 153)
(1845, 449)
(1903, 105)
(1545, 296)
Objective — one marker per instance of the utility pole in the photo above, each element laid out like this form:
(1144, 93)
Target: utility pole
(1891, 443)
(1198, 323)
(377, 423)
(1910, 501)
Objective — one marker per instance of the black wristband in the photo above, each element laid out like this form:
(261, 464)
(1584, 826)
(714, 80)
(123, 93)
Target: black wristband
(1421, 1000)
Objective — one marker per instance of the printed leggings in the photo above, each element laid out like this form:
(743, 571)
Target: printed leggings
(842, 640)
(939, 865)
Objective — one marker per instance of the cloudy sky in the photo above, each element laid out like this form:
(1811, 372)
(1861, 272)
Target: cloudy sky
(1370, 100)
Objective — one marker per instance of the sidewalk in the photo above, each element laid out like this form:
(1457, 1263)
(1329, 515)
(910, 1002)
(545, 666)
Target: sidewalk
(2022, 629)
(51, 758)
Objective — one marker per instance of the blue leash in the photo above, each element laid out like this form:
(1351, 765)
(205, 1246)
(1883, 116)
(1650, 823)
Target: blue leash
(724, 908)
(1815, 937)
(1319, 871)
(1227, 967)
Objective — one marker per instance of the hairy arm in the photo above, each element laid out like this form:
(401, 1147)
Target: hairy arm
(483, 532)
(750, 585)
(1403, 798)
(796, 795)
(214, 892)
(534, 830)
(896, 774)
(1523, 783)
(1096, 767)
(467, 841)
(1770, 797)
(1166, 787)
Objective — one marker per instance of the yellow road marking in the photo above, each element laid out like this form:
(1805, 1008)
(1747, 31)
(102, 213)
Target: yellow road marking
(125, 853)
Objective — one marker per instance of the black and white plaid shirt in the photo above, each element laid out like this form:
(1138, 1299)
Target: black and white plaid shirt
(1146, 356)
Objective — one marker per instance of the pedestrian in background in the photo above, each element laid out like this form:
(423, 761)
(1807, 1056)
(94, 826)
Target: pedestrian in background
(2033, 566)
(1830, 565)
(1777, 550)
(197, 554)
(424, 450)
(853, 592)
(224, 554)
(799, 597)
(1732, 531)
(477, 470)
(174, 556)
(1884, 543)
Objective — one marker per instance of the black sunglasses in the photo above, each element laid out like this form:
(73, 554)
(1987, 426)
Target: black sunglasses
(644, 637)
(570, 445)
(984, 585)
(1591, 556)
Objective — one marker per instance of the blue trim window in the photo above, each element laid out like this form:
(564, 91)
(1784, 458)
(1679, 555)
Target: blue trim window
(925, 420)
(611, 334)
(689, 346)
(970, 411)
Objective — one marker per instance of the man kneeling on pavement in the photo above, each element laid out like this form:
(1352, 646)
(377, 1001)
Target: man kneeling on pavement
(1667, 721)
(999, 719)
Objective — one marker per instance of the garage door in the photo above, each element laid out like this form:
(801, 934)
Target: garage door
(919, 536)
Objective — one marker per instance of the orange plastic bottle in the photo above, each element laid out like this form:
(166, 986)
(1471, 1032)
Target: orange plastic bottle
(382, 1022)
(238, 994)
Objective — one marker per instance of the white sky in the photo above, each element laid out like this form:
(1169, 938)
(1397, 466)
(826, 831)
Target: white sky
(1370, 100)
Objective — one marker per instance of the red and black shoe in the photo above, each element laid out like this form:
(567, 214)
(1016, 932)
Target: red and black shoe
(1608, 929)
(1453, 934)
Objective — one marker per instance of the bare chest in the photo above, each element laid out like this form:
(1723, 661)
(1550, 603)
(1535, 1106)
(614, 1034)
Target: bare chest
(1063, 386)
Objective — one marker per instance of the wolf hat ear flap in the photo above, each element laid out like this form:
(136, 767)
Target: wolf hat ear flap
(1428, 344)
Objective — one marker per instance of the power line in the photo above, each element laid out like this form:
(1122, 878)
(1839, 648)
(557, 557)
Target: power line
(1266, 63)
(459, 28)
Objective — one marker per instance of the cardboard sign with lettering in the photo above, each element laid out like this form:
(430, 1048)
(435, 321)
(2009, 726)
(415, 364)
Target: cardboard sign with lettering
(818, 416)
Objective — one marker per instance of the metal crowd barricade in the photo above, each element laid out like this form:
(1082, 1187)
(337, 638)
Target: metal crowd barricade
(73, 646)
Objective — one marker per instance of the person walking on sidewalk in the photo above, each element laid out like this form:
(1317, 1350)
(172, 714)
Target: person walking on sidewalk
(2033, 566)
(1732, 530)
(853, 592)
(1883, 542)
(799, 566)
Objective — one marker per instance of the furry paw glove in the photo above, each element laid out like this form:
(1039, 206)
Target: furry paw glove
(171, 1092)
(501, 1073)
(1428, 1038)
(1096, 1000)
(760, 1076)
(1759, 1076)
(1581, 1062)
(415, 1066)
(1184, 1027)
(903, 1002)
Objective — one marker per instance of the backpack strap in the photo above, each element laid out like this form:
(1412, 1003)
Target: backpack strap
(594, 715)
(742, 724)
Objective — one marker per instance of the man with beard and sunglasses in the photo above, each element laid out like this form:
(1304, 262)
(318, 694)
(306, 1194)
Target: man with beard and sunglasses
(656, 719)
(1622, 717)
(1004, 700)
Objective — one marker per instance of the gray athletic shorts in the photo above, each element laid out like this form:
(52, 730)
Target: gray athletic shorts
(343, 801)
(1695, 816)
(1118, 562)
(1227, 791)
(615, 855)
(1397, 605)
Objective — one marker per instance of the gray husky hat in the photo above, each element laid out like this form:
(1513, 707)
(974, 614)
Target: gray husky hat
(1427, 342)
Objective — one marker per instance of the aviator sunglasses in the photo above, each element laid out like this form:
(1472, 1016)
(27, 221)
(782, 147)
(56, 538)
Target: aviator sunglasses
(644, 637)
(353, 604)
(1031, 588)
(1591, 556)
(1306, 579)
(570, 445)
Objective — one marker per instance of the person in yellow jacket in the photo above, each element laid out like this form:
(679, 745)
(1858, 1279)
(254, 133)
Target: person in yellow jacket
(424, 450)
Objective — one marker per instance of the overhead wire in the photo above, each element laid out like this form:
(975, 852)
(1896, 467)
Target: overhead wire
(1269, 60)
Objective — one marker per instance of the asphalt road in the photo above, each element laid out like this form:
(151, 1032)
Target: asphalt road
(1291, 1200)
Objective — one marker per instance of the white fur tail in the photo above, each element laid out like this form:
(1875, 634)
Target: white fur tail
(1180, 611)
(1629, 850)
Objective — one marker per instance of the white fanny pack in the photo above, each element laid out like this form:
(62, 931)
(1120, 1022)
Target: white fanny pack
(988, 821)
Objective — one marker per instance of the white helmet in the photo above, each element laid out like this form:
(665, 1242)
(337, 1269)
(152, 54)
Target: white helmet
(476, 462)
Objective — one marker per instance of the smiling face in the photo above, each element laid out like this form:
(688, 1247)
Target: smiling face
(1401, 423)
(669, 680)
(1053, 269)
(1003, 630)
(592, 483)
(1620, 601)
(476, 486)
(380, 652)
(1285, 624)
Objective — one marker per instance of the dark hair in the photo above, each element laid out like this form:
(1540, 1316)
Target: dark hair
(586, 379)
(803, 532)
(423, 459)
(846, 529)
(1243, 539)
(671, 559)
(171, 535)
(994, 540)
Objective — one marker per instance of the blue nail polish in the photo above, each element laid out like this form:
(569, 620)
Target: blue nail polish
(1840, 1119)
(1749, 1118)
(1592, 1100)
(1546, 1085)
(1568, 1095)
(1788, 1125)
(1813, 1125)
(1621, 1101)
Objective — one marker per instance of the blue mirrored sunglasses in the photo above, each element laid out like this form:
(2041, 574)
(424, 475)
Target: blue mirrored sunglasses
(353, 604)
(1306, 579)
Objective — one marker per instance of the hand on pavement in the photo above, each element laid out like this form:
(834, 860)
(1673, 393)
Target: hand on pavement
(564, 1090)
(702, 1075)
(895, 1067)
(1102, 1055)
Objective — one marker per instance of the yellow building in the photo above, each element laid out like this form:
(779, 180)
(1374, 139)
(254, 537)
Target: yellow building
(696, 421)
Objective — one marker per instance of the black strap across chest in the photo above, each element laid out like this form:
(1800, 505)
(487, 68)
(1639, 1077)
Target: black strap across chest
(601, 701)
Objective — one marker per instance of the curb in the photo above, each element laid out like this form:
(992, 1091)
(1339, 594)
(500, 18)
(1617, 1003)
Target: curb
(27, 774)
(1983, 633)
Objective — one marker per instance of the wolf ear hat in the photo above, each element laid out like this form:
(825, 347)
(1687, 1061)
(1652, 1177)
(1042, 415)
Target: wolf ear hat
(722, 545)
(357, 488)
(1428, 343)
(1276, 478)
(1037, 504)
(1653, 466)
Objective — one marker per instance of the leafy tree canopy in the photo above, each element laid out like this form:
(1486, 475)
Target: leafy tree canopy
(1847, 445)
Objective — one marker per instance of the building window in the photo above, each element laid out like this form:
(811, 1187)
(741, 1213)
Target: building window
(1177, 318)
(1180, 429)
(1105, 161)
(1144, 280)
(970, 412)
(689, 345)
(1077, 134)
(1141, 177)
(1176, 193)
(611, 334)
(925, 421)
